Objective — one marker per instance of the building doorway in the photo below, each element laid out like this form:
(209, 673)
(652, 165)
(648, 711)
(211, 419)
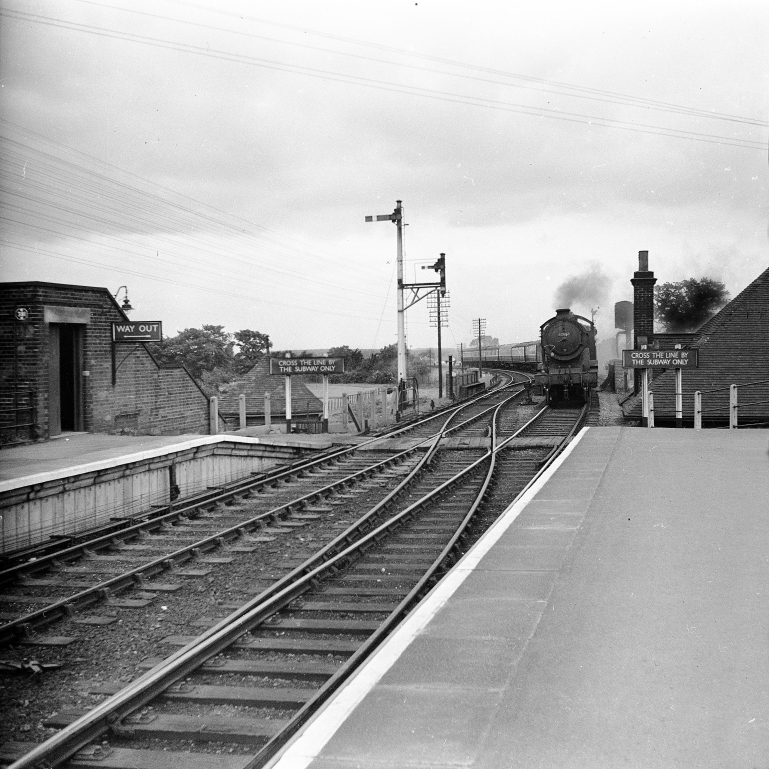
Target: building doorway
(65, 381)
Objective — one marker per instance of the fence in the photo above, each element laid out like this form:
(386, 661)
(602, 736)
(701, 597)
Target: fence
(734, 405)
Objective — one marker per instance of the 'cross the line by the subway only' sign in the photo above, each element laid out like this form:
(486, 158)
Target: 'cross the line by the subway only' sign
(660, 358)
(320, 365)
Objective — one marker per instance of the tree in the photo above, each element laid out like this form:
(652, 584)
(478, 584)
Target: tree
(198, 349)
(686, 305)
(354, 357)
(252, 347)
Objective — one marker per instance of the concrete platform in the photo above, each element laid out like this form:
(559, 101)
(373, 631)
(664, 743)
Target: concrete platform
(73, 451)
(615, 616)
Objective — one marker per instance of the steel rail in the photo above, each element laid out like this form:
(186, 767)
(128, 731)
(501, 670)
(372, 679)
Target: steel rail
(134, 577)
(72, 738)
(62, 745)
(430, 577)
(223, 492)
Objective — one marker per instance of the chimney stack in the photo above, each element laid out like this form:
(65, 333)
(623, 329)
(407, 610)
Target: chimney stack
(643, 301)
(643, 307)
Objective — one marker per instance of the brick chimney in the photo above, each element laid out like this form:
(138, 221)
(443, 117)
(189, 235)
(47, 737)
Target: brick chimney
(643, 301)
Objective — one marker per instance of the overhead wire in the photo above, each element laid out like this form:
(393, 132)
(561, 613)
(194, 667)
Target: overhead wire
(542, 85)
(578, 91)
(433, 94)
(175, 281)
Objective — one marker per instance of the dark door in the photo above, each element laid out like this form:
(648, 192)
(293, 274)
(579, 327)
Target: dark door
(65, 402)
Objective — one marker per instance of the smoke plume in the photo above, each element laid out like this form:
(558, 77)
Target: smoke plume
(585, 291)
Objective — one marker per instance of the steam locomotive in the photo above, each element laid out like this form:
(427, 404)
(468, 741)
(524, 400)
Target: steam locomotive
(569, 367)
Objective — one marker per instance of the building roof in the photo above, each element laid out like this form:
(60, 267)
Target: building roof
(256, 382)
(733, 349)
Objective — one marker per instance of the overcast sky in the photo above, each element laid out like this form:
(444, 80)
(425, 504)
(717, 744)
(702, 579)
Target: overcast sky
(219, 158)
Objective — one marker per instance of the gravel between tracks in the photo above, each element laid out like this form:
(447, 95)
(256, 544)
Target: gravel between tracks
(111, 654)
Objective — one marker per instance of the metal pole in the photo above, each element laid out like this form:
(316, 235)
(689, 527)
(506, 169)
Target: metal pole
(398, 214)
(440, 354)
(451, 375)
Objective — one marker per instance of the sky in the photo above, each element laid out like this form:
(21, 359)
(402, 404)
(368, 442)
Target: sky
(218, 159)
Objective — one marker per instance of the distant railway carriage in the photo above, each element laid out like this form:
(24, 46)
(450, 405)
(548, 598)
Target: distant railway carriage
(569, 368)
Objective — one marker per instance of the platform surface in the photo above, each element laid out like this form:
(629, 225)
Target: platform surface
(616, 616)
(74, 453)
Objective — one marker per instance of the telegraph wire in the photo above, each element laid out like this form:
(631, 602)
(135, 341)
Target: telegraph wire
(173, 281)
(209, 213)
(433, 94)
(578, 92)
(427, 57)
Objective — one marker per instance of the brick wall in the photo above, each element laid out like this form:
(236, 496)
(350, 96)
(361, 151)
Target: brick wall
(146, 399)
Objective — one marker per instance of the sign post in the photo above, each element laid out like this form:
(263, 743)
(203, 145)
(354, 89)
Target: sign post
(138, 332)
(647, 360)
(321, 365)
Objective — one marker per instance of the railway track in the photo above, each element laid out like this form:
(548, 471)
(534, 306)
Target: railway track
(300, 637)
(236, 519)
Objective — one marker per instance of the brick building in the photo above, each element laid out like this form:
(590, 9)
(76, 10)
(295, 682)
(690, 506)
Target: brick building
(254, 384)
(56, 370)
(733, 349)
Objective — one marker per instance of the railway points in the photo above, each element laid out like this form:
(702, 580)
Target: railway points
(369, 584)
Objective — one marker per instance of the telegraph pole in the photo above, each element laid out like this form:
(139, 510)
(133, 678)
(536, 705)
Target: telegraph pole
(438, 317)
(479, 326)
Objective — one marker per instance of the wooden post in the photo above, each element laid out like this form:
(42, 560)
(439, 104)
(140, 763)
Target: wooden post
(288, 404)
(697, 410)
(242, 410)
(644, 397)
(325, 403)
(650, 419)
(345, 413)
(733, 407)
(213, 416)
(267, 412)
(679, 397)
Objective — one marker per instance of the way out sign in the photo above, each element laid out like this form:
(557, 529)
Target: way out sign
(141, 331)
(660, 358)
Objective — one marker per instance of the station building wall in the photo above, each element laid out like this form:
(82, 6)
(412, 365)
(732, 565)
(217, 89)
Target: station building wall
(56, 370)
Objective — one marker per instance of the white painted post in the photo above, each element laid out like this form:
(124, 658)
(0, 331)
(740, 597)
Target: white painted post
(697, 410)
(651, 410)
(213, 416)
(288, 404)
(345, 413)
(645, 397)
(325, 397)
(679, 397)
(267, 411)
(242, 410)
(733, 407)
